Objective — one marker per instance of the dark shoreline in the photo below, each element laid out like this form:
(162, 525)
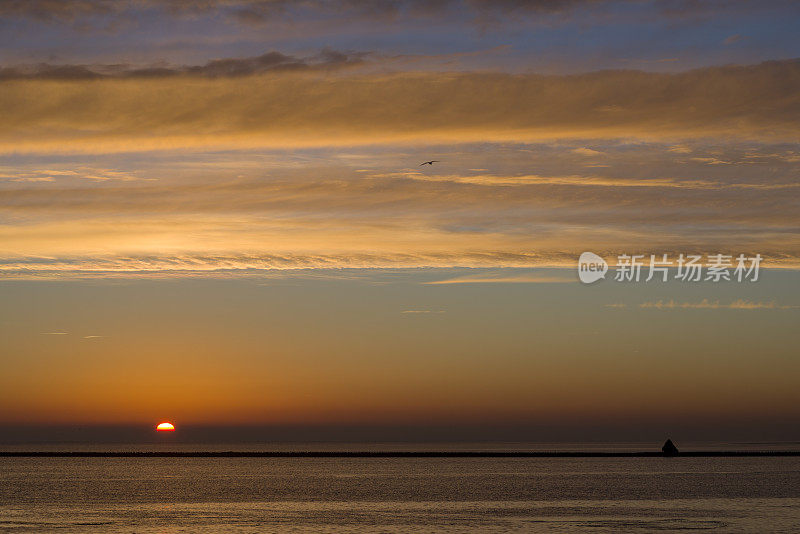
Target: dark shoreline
(385, 454)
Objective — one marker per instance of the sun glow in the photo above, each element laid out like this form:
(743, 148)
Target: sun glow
(162, 427)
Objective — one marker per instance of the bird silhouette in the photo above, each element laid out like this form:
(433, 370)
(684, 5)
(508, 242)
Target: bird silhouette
(431, 162)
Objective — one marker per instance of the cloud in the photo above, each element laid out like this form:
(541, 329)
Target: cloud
(200, 218)
(255, 264)
(254, 12)
(55, 333)
(296, 109)
(31, 179)
(504, 279)
(326, 60)
(732, 39)
(680, 149)
(711, 161)
(716, 305)
(582, 151)
(79, 172)
(57, 10)
(437, 198)
(422, 311)
(482, 12)
(589, 181)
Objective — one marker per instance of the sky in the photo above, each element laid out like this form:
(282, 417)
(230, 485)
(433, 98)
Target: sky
(214, 213)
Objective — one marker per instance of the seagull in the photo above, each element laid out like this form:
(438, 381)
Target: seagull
(429, 162)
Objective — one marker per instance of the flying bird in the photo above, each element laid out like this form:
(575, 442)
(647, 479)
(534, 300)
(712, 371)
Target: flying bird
(431, 162)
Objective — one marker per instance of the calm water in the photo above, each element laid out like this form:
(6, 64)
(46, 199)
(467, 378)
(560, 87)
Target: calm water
(166, 495)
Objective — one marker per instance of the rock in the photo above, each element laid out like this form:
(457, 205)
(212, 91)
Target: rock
(669, 448)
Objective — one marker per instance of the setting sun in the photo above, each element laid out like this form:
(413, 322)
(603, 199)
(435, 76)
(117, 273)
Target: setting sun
(165, 427)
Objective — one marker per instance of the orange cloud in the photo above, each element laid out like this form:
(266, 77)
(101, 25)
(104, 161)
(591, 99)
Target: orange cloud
(293, 110)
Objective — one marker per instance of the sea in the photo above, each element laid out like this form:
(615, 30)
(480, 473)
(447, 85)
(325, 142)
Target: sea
(398, 495)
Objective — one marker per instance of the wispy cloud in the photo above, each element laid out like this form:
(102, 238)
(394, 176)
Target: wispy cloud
(735, 38)
(52, 175)
(504, 279)
(294, 109)
(258, 12)
(587, 181)
(384, 13)
(291, 219)
(326, 60)
(583, 151)
(715, 305)
(242, 265)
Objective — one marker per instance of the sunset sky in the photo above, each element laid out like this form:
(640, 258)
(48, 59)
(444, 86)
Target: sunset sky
(213, 212)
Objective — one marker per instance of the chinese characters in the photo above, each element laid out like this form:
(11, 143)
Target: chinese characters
(687, 268)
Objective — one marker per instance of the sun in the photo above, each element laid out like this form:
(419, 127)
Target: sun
(165, 427)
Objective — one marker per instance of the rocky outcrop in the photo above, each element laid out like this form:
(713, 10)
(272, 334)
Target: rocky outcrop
(669, 448)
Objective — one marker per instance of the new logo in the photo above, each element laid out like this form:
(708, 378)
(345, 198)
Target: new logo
(591, 267)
